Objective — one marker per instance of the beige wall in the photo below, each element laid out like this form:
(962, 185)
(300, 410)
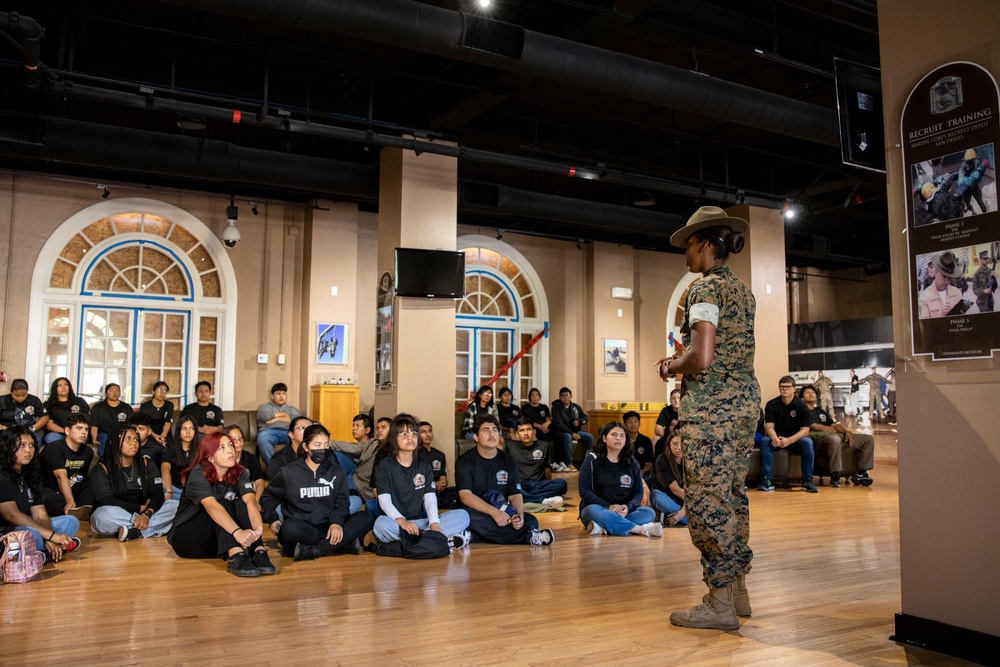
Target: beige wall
(848, 294)
(949, 453)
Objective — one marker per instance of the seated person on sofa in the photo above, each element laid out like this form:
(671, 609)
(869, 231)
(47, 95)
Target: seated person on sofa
(272, 421)
(642, 446)
(541, 417)
(208, 415)
(358, 459)
(108, 415)
(66, 471)
(509, 414)
(786, 426)
(831, 436)
(19, 408)
(568, 420)
(532, 459)
(487, 480)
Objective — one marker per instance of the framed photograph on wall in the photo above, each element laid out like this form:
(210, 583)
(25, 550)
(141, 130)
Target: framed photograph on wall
(331, 343)
(615, 356)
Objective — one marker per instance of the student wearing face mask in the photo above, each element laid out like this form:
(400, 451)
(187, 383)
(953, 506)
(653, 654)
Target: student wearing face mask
(313, 495)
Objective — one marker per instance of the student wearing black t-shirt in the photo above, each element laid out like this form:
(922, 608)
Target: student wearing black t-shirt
(611, 488)
(667, 495)
(541, 417)
(666, 422)
(532, 460)
(108, 415)
(128, 492)
(404, 481)
(447, 496)
(208, 415)
(786, 426)
(218, 515)
(178, 457)
(489, 472)
(61, 404)
(21, 506)
(509, 414)
(247, 460)
(160, 411)
(66, 471)
(149, 447)
(312, 492)
(19, 408)
(642, 446)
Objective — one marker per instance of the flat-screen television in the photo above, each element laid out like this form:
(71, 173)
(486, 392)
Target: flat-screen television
(430, 274)
(859, 103)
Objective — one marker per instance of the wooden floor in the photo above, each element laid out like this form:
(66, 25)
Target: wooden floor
(824, 588)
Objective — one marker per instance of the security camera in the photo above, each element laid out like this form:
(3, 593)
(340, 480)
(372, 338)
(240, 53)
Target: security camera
(231, 235)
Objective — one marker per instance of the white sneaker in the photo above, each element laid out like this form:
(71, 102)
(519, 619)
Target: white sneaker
(554, 501)
(542, 538)
(652, 529)
(460, 540)
(595, 529)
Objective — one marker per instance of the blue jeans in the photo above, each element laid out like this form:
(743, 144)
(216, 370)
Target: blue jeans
(614, 523)
(52, 436)
(453, 522)
(662, 502)
(102, 439)
(350, 467)
(803, 447)
(67, 525)
(586, 440)
(355, 503)
(372, 507)
(107, 519)
(537, 491)
(268, 439)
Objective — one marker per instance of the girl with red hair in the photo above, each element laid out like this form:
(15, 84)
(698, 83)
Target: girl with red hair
(218, 514)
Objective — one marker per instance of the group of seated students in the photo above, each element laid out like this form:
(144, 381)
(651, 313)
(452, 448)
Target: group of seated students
(198, 485)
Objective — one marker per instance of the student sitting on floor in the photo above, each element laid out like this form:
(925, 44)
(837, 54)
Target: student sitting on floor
(178, 456)
(21, 506)
(247, 460)
(312, 493)
(447, 496)
(128, 491)
(66, 470)
(611, 488)
(218, 515)
(406, 490)
(288, 454)
(667, 495)
(532, 459)
(487, 481)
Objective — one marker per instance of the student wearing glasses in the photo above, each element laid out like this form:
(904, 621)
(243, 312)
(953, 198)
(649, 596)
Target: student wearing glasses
(786, 426)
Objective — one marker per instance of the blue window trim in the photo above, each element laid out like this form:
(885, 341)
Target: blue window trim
(132, 399)
(474, 351)
(514, 299)
(118, 295)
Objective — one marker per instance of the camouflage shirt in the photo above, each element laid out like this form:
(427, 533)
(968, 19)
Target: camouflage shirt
(980, 282)
(728, 388)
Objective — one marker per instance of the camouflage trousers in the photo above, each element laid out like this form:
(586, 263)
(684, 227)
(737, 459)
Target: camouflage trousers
(716, 460)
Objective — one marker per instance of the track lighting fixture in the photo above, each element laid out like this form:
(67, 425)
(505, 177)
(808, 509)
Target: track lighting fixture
(106, 193)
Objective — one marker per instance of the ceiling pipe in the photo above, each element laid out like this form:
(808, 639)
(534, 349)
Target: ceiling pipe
(32, 34)
(443, 32)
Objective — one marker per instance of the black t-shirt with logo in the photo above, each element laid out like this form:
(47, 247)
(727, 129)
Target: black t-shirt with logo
(159, 416)
(439, 463)
(205, 415)
(406, 486)
(18, 492)
(107, 418)
(787, 419)
(509, 415)
(643, 450)
(198, 488)
(532, 461)
(25, 413)
(59, 456)
(538, 414)
(178, 460)
(60, 411)
(478, 475)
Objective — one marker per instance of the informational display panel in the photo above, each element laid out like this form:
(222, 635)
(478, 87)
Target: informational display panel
(383, 331)
(950, 133)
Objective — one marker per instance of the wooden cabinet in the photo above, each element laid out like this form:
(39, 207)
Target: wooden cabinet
(598, 418)
(334, 406)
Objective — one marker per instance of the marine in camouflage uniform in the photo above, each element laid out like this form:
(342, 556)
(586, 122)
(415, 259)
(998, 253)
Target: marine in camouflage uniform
(874, 381)
(824, 386)
(981, 283)
(718, 417)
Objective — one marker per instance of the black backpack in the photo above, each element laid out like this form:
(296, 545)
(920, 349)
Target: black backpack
(425, 546)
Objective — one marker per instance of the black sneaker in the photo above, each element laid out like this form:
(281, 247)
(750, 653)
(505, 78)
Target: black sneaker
(240, 565)
(765, 485)
(305, 552)
(808, 486)
(835, 480)
(862, 478)
(126, 533)
(262, 562)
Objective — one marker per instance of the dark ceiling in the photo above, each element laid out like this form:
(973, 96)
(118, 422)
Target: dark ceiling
(526, 89)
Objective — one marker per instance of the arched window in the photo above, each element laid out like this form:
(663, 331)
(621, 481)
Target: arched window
(141, 291)
(503, 309)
